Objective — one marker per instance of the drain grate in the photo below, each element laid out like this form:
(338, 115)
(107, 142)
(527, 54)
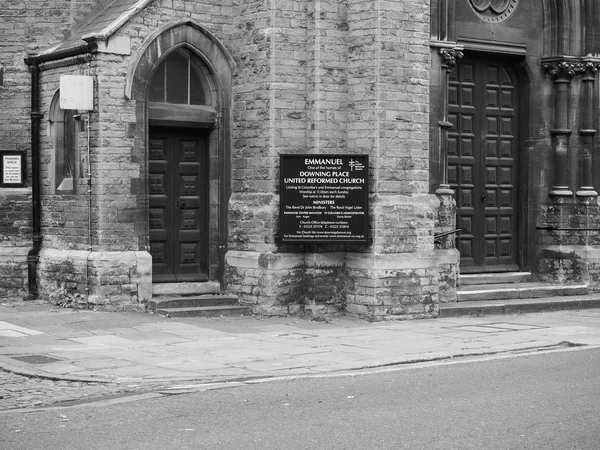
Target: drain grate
(36, 359)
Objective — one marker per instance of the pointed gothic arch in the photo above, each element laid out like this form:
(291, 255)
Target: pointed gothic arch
(165, 39)
(66, 159)
(211, 121)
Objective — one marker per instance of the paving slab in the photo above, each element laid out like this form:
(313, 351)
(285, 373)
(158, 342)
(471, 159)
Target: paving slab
(45, 341)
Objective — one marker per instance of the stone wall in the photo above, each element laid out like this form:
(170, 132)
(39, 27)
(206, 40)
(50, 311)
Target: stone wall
(448, 255)
(25, 27)
(367, 67)
(105, 231)
(107, 280)
(569, 245)
(65, 217)
(15, 241)
(325, 76)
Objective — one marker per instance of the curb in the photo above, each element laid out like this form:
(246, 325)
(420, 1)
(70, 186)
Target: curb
(10, 368)
(257, 377)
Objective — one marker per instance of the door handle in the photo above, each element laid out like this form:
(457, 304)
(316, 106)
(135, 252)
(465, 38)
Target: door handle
(483, 196)
(180, 204)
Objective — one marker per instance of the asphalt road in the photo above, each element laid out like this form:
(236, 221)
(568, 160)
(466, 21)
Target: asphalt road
(541, 401)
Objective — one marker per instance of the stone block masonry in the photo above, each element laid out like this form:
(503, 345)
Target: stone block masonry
(114, 281)
(25, 27)
(358, 84)
(448, 255)
(15, 241)
(311, 77)
(570, 237)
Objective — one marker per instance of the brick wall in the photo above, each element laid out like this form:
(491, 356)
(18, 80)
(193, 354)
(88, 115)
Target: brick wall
(15, 241)
(25, 27)
(328, 76)
(359, 86)
(114, 263)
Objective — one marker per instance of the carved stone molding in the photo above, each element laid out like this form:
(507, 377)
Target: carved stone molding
(494, 11)
(450, 56)
(587, 68)
(560, 69)
(567, 69)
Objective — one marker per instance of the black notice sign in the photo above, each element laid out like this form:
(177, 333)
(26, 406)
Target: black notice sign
(324, 198)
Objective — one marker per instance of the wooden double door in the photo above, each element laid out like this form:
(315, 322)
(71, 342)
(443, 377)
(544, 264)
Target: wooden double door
(483, 156)
(178, 194)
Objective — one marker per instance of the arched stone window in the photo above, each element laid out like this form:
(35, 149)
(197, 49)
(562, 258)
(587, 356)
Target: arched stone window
(65, 153)
(180, 78)
(182, 91)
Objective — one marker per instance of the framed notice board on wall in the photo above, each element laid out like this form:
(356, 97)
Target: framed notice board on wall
(324, 198)
(12, 169)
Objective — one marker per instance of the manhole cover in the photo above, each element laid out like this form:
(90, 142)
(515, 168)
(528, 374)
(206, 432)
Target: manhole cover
(36, 359)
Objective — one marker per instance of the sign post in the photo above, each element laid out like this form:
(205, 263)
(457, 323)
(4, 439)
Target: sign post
(324, 198)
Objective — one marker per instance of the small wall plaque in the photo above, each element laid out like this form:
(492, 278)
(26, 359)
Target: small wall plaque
(12, 169)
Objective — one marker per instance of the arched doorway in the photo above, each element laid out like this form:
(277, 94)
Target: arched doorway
(487, 85)
(181, 82)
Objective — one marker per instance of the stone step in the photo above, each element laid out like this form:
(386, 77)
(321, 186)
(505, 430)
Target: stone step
(197, 305)
(513, 291)
(185, 288)
(206, 311)
(495, 278)
(193, 301)
(519, 306)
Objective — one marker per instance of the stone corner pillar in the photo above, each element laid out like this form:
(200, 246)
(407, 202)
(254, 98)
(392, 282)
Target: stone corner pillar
(445, 244)
(271, 283)
(256, 270)
(397, 277)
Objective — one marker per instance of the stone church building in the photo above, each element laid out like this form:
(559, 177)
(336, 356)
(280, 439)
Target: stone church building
(478, 117)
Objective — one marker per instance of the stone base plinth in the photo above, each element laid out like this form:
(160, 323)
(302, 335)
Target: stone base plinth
(449, 261)
(370, 286)
(13, 272)
(272, 283)
(392, 286)
(106, 280)
(398, 275)
(570, 264)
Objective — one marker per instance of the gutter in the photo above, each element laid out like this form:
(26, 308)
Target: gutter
(78, 49)
(34, 62)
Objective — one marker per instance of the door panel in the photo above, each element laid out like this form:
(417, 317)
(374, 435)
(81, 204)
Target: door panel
(178, 204)
(482, 163)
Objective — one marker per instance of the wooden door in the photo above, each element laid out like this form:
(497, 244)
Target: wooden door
(482, 163)
(178, 195)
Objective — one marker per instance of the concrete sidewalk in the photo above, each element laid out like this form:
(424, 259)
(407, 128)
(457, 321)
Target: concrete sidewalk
(42, 340)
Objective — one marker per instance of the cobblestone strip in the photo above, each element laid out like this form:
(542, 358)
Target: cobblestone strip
(18, 391)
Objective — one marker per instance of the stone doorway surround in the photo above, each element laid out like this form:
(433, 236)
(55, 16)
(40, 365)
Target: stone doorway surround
(483, 161)
(215, 119)
(559, 199)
